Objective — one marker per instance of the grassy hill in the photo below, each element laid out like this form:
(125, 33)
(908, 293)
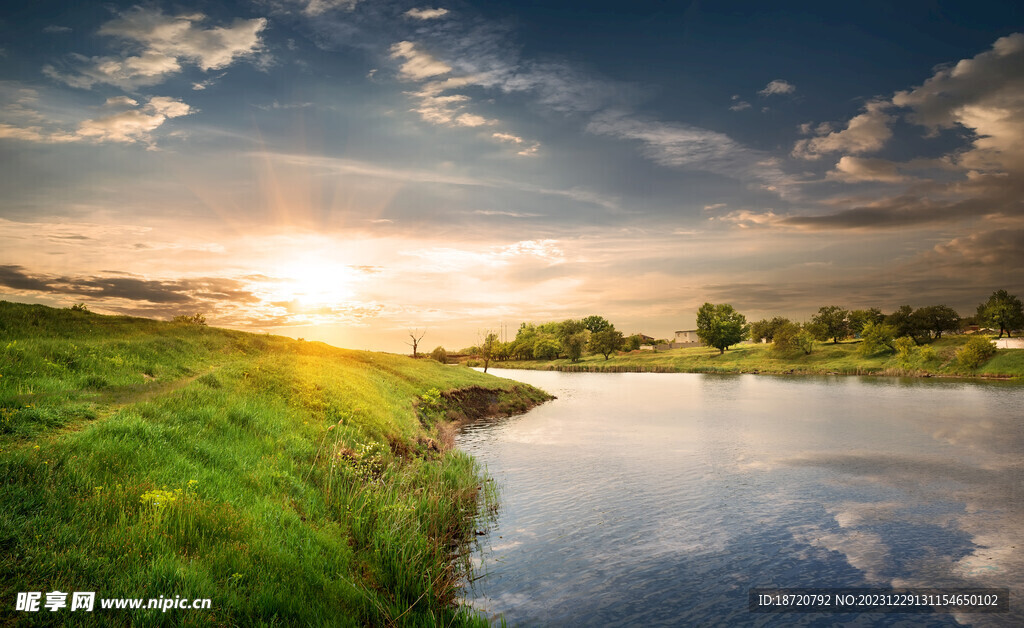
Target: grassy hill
(291, 482)
(842, 358)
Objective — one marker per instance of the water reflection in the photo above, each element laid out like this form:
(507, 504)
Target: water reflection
(662, 498)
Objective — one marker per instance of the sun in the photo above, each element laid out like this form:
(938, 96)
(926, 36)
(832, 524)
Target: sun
(313, 284)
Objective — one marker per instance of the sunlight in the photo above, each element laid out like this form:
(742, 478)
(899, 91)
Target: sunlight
(314, 283)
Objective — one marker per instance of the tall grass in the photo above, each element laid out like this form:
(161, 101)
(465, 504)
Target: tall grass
(291, 482)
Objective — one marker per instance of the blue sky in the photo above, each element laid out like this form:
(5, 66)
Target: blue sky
(349, 169)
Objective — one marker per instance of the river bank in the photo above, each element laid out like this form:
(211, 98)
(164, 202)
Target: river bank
(288, 482)
(842, 358)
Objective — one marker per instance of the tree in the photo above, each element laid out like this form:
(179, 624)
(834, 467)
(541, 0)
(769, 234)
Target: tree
(1002, 310)
(596, 323)
(790, 338)
(415, 339)
(831, 322)
(875, 337)
(936, 319)
(906, 324)
(606, 342)
(858, 319)
(488, 348)
(440, 355)
(546, 349)
(721, 326)
(766, 328)
(575, 344)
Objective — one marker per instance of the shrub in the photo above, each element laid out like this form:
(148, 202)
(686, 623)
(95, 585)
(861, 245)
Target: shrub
(440, 355)
(904, 346)
(975, 352)
(79, 307)
(195, 319)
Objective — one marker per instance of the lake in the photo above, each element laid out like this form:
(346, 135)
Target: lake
(662, 499)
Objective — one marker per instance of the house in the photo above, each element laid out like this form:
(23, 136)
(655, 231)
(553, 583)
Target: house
(686, 338)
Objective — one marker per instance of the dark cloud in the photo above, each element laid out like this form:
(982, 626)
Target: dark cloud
(181, 292)
(14, 277)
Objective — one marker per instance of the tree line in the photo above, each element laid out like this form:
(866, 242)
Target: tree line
(721, 326)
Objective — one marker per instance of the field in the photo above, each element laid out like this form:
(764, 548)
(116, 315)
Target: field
(843, 358)
(290, 482)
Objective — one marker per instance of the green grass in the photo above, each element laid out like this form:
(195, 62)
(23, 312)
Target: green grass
(291, 482)
(842, 358)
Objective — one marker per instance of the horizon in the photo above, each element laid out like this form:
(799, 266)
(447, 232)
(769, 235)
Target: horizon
(349, 170)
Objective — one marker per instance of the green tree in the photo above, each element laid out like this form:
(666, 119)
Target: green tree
(440, 355)
(766, 328)
(575, 344)
(606, 342)
(1002, 310)
(936, 319)
(831, 322)
(875, 337)
(906, 324)
(489, 348)
(721, 326)
(790, 338)
(859, 318)
(596, 323)
(546, 349)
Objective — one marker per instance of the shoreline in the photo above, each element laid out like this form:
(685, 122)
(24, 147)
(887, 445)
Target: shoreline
(568, 368)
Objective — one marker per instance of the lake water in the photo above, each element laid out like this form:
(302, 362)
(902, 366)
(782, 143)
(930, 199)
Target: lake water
(662, 499)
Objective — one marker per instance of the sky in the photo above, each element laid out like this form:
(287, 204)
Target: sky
(351, 170)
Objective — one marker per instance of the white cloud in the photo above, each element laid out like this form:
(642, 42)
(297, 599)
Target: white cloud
(418, 65)
(778, 86)
(426, 14)
(864, 133)
(133, 125)
(319, 7)
(684, 146)
(53, 28)
(472, 120)
(162, 44)
(984, 94)
(740, 106)
(120, 101)
(528, 148)
(854, 169)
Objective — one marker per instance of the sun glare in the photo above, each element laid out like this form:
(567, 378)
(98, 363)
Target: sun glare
(314, 284)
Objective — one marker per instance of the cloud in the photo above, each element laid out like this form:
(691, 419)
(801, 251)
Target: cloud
(690, 147)
(740, 106)
(999, 248)
(133, 125)
(776, 87)
(425, 14)
(53, 28)
(982, 179)
(855, 169)
(984, 94)
(864, 133)
(127, 122)
(162, 44)
(528, 148)
(183, 291)
(319, 7)
(418, 65)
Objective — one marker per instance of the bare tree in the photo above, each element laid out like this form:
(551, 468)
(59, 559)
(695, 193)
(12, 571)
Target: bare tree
(415, 339)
